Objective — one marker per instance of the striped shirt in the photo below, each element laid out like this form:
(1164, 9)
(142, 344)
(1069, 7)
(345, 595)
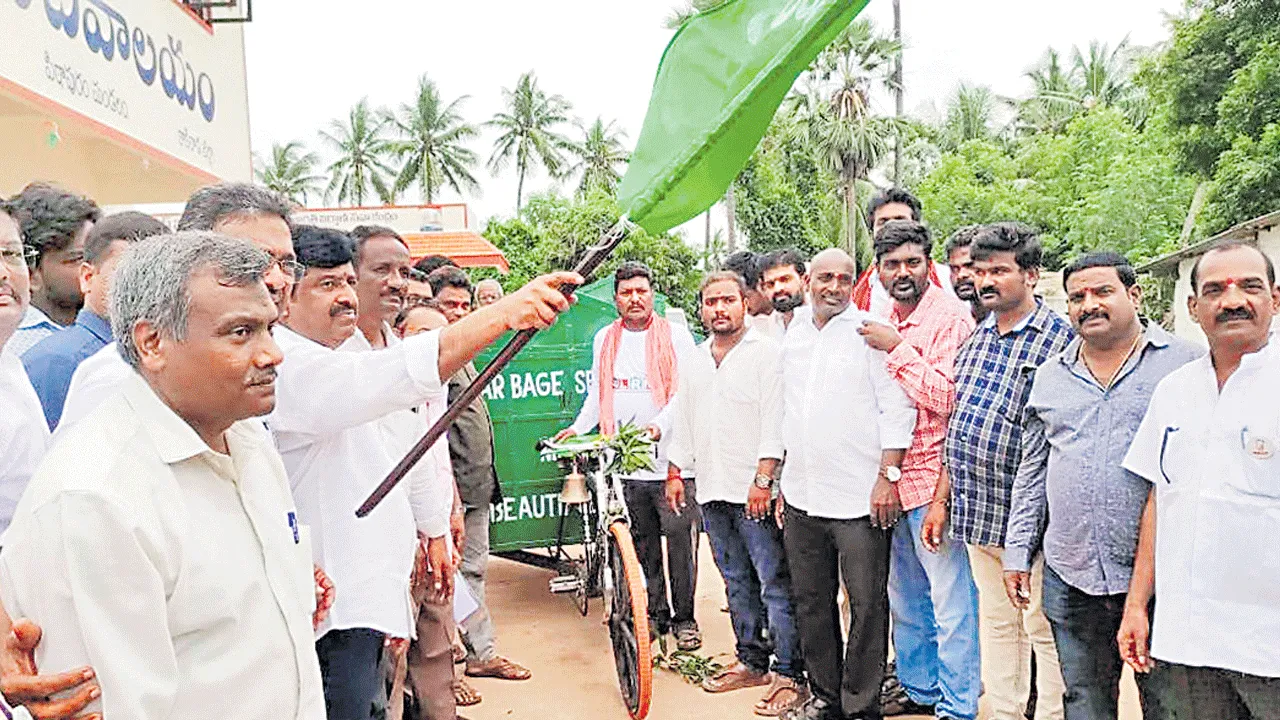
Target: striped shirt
(984, 438)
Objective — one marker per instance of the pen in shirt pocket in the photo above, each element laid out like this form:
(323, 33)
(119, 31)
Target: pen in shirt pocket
(293, 525)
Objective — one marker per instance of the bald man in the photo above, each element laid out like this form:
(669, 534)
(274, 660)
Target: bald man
(488, 292)
(840, 490)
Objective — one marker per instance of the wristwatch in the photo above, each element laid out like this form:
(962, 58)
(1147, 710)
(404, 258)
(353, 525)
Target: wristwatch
(893, 473)
(763, 481)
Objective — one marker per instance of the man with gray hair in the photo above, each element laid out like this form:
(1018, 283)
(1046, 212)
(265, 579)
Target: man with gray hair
(488, 292)
(174, 563)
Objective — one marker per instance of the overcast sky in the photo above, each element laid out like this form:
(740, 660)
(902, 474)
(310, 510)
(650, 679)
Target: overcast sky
(311, 60)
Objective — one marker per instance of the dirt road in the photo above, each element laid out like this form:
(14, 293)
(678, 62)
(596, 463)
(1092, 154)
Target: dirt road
(573, 672)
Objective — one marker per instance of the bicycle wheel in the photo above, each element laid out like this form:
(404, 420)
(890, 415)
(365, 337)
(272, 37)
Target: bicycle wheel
(629, 623)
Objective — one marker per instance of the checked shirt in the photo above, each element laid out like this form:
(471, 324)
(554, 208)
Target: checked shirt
(984, 438)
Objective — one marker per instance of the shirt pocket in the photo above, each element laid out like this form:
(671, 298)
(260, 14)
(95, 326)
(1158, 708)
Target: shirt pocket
(1257, 448)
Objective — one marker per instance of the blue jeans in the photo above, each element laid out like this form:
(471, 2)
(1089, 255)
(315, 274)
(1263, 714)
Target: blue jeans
(754, 566)
(934, 604)
(350, 667)
(1084, 629)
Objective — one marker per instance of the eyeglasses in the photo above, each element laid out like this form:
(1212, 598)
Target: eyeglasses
(15, 257)
(288, 266)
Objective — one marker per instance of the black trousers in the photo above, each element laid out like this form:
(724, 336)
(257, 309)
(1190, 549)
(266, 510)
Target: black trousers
(652, 520)
(819, 550)
(1201, 693)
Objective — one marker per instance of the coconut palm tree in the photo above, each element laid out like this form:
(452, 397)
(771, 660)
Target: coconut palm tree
(528, 134)
(969, 115)
(599, 153)
(361, 165)
(430, 143)
(834, 113)
(1100, 76)
(290, 171)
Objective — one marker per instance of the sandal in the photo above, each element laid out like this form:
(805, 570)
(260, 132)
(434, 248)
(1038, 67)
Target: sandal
(464, 695)
(735, 677)
(500, 668)
(783, 695)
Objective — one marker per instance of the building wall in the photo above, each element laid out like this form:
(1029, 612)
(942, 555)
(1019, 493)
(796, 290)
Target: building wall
(141, 89)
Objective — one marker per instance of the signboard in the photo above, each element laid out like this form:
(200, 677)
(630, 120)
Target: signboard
(404, 220)
(146, 71)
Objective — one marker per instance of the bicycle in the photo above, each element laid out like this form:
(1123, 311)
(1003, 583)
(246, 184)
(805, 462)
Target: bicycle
(608, 566)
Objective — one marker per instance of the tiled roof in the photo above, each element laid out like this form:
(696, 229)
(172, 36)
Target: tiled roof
(465, 247)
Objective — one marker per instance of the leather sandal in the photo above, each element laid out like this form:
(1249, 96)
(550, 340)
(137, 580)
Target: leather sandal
(783, 695)
(735, 677)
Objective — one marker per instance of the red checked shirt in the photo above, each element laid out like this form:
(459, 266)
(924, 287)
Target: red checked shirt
(924, 365)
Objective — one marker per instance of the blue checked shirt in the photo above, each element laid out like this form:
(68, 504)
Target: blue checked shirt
(984, 438)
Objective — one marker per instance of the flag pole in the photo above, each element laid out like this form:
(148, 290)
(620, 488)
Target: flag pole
(590, 262)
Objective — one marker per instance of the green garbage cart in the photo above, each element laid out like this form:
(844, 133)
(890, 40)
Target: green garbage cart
(535, 396)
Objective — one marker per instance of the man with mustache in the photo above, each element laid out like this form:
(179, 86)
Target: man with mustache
(235, 210)
(892, 205)
(993, 375)
(635, 365)
(728, 422)
(846, 427)
(174, 562)
(1208, 446)
(1071, 495)
(383, 269)
(334, 464)
(960, 263)
(784, 282)
(759, 306)
(931, 593)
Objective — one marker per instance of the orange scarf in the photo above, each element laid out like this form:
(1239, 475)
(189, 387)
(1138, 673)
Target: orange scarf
(659, 368)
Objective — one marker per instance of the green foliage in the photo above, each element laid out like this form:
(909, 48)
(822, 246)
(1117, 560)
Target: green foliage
(290, 171)
(600, 154)
(1101, 184)
(362, 152)
(1211, 57)
(785, 198)
(527, 132)
(552, 232)
(1246, 184)
(431, 144)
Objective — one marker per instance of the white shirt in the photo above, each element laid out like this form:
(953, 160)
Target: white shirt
(23, 441)
(34, 327)
(179, 574)
(632, 398)
(100, 376)
(727, 418)
(768, 325)
(1212, 458)
(841, 409)
(328, 425)
(430, 483)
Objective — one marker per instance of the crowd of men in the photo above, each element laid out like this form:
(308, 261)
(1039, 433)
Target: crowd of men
(924, 454)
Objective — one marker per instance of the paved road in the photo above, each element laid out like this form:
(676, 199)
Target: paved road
(573, 672)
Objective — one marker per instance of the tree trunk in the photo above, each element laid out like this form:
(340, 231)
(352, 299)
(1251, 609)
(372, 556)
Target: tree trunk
(898, 91)
(706, 242)
(851, 216)
(730, 208)
(519, 188)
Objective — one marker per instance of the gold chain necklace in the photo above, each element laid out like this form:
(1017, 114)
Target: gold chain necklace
(1107, 385)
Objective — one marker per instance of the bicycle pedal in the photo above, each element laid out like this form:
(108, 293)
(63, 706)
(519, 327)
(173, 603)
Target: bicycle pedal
(565, 584)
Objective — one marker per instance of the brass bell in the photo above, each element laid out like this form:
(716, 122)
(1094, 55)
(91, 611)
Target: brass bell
(574, 491)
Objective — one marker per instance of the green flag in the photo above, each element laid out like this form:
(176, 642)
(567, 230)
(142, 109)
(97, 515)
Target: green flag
(719, 83)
